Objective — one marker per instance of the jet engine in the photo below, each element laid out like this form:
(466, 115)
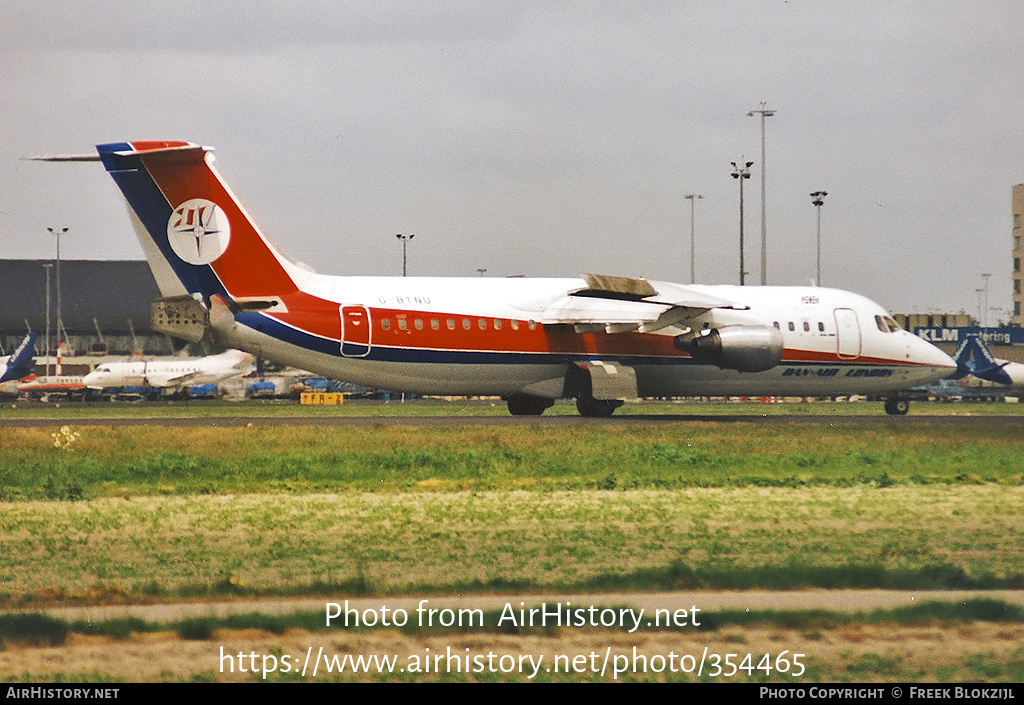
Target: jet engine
(743, 348)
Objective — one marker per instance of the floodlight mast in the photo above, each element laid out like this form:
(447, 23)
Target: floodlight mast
(741, 173)
(405, 241)
(763, 112)
(692, 198)
(818, 200)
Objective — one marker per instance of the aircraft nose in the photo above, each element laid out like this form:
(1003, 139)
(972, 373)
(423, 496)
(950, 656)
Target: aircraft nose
(924, 353)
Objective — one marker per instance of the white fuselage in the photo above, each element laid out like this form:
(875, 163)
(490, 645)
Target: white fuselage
(488, 337)
(166, 372)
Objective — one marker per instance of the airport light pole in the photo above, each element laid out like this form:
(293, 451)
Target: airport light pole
(58, 233)
(741, 173)
(405, 241)
(47, 267)
(763, 112)
(692, 198)
(818, 200)
(984, 311)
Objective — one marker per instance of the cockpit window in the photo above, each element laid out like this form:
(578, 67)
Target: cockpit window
(887, 324)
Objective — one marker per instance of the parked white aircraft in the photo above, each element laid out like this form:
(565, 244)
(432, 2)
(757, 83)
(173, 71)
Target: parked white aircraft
(597, 339)
(170, 374)
(53, 385)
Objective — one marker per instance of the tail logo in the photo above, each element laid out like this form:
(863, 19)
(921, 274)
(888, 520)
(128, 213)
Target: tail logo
(198, 231)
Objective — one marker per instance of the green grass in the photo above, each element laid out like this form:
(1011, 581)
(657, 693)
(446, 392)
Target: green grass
(155, 512)
(152, 548)
(157, 460)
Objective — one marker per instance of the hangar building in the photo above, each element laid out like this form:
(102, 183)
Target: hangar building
(105, 306)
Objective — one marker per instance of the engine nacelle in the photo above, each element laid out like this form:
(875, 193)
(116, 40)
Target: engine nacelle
(741, 348)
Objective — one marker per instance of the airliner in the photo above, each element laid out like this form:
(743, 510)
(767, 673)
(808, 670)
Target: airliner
(974, 358)
(174, 374)
(20, 363)
(596, 338)
(54, 385)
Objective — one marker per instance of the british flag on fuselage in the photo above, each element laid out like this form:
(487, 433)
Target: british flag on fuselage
(598, 339)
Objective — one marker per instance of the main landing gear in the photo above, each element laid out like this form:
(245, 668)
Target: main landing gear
(897, 406)
(592, 408)
(526, 405)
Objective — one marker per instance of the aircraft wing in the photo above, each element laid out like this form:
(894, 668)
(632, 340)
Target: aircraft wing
(172, 380)
(207, 376)
(624, 305)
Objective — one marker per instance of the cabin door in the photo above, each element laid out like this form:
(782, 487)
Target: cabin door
(847, 333)
(355, 331)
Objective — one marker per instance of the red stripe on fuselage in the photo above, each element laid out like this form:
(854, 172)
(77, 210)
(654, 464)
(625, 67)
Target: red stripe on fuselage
(489, 334)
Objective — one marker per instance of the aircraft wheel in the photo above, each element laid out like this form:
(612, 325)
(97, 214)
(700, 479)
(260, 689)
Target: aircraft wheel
(597, 408)
(525, 405)
(897, 407)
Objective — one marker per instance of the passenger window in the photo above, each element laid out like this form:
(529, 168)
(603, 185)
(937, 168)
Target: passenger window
(514, 324)
(482, 324)
(497, 324)
(434, 324)
(792, 326)
(821, 327)
(385, 323)
(419, 324)
(451, 324)
(807, 327)
(466, 325)
(402, 324)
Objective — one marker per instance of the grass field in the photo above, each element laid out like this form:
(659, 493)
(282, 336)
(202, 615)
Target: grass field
(97, 511)
(932, 642)
(154, 513)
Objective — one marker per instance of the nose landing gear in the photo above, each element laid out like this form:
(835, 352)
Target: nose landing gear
(897, 406)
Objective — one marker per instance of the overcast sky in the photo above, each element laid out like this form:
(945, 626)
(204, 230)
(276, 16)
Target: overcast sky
(543, 138)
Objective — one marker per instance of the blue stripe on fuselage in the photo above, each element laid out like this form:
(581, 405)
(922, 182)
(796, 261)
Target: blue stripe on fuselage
(381, 353)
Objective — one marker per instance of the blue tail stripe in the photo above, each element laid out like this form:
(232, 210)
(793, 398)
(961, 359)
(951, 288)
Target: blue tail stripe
(150, 205)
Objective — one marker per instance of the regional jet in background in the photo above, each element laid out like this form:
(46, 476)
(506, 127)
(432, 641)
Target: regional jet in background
(20, 363)
(67, 386)
(171, 374)
(974, 358)
(598, 339)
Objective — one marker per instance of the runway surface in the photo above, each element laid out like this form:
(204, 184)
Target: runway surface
(457, 420)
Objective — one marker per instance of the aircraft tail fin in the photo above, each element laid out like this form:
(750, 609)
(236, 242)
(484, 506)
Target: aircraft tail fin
(20, 364)
(197, 237)
(974, 358)
(962, 358)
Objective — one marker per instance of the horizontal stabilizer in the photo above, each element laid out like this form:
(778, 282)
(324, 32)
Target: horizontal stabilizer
(93, 157)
